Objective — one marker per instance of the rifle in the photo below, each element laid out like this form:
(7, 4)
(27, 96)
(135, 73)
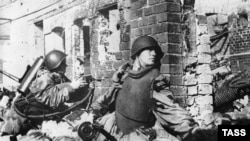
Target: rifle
(15, 78)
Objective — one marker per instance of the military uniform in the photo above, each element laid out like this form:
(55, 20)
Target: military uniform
(142, 102)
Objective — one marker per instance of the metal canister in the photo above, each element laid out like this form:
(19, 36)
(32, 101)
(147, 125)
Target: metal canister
(30, 75)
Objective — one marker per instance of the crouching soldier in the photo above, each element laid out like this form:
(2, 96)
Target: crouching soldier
(47, 94)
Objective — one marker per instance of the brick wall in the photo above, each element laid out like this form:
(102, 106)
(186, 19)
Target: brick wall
(161, 19)
(240, 41)
(198, 76)
(106, 54)
(239, 47)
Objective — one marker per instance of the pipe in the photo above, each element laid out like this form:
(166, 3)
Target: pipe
(42, 116)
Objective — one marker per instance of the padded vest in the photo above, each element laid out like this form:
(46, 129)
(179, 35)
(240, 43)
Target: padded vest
(134, 102)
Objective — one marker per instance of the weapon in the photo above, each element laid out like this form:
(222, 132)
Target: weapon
(15, 78)
(232, 89)
(10, 76)
(87, 131)
(30, 75)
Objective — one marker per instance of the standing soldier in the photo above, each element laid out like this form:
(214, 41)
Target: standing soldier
(144, 108)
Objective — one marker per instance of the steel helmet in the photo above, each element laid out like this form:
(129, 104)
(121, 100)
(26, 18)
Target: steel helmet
(144, 42)
(54, 58)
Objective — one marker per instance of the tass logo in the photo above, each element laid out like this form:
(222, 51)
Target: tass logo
(234, 132)
(240, 132)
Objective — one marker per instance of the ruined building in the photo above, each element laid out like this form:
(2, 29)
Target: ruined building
(202, 40)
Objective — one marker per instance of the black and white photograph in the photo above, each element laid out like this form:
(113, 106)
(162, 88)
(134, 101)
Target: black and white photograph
(124, 70)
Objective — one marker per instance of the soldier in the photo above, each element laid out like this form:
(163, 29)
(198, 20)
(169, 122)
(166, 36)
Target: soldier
(144, 108)
(52, 87)
(48, 93)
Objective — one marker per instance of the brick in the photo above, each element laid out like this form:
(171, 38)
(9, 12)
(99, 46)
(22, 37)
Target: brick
(176, 80)
(194, 111)
(160, 8)
(173, 7)
(126, 55)
(190, 100)
(140, 22)
(174, 28)
(127, 28)
(160, 28)
(174, 38)
(153, 2)
(165, 68)
(138, 32)
(162, 38)
(148, 11)
(190, 80)
(144, 2)
(146, 30)
(204, 58)
(174, 49)
(193, 90)
(137, 5)
(205, 89)
(125, 37)
(162, 17)
(124, 46)
(171, 69)
(205, 109)
(136, 14)
(118, 55)
(204, 48)
(151, 20)
(178, 90)
(164, 48)
(144, 21)
(134, 24)
(204, 100)
(205, 78)
(204, 39)
(205, 68)
(174, 17)
(176, 69)
(172, 59)
(190, 60)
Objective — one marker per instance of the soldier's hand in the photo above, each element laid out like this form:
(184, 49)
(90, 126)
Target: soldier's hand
(119, 74)
(78, 84)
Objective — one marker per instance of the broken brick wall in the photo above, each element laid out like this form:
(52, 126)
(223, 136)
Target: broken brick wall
(239, 49)
(216, 45)
(109, 42)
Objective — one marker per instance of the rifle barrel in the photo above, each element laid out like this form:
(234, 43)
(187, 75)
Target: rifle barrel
(13, 77)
